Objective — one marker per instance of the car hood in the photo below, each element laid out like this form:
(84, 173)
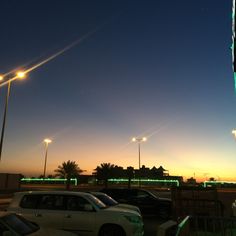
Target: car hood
(128, 207)
(117, 209)
(164, 199)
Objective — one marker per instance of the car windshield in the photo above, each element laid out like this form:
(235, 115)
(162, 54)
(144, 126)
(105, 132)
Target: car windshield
(19, 224)
(99, 204)
(106, 199)
(152, 193)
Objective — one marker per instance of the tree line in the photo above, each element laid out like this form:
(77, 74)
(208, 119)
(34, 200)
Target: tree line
(105, 171)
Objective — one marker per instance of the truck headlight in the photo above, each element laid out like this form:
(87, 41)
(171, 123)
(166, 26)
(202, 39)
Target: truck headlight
(133, 219)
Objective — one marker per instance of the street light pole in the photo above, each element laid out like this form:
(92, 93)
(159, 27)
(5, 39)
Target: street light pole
(139, 161)
(20, 75)
(4, 117)
(46, 141)
(139, 140)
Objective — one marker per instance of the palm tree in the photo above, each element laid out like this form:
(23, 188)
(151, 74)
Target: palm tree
(68, 170)
(104, 172)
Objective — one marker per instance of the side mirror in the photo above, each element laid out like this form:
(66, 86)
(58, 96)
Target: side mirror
(88, 207)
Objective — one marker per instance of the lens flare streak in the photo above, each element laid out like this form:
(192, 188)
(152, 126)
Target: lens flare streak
(68, 47)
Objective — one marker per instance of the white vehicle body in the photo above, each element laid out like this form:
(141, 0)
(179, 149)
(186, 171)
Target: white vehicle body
(76, 211)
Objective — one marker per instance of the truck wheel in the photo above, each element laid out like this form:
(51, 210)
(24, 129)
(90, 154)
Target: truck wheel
(111, 230)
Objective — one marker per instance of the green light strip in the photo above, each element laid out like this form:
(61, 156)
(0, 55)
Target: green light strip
(233, 9)
(146, 180)
(47, 180)
(218, 182)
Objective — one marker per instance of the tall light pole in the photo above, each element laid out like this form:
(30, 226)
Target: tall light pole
(19, 75)
(46, 141)
(139, 140)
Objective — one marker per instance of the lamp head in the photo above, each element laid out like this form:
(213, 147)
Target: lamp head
(143, 139)
(20, 74)
(47, 140)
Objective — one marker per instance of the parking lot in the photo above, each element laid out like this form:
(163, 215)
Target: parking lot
(151, 223)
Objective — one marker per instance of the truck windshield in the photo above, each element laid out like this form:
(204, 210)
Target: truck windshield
(97, 202)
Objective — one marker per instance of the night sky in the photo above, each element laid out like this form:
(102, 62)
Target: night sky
(157, 68)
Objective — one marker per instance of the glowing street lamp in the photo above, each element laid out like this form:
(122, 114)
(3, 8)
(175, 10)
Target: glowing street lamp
(46, 141)
(234, 132)
(21, 75)
(139, 140)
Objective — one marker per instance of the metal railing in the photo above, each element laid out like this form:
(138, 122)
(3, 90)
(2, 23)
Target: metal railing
(207, 226)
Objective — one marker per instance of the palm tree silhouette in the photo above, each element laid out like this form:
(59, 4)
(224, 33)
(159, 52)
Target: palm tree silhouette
(68, 170)
(104, 172)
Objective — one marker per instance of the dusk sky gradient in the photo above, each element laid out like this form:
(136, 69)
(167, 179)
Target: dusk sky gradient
(156, 68)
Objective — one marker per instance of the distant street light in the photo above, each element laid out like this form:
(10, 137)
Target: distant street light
(46, 141)
(234, 132)
(139, 140)
(20, 75)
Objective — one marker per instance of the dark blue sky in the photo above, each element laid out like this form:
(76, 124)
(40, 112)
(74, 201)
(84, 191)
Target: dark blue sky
(157, 68)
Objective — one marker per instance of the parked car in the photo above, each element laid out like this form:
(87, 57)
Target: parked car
(80, 212)
(109, 201)
(148, 203)
(15, 225)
